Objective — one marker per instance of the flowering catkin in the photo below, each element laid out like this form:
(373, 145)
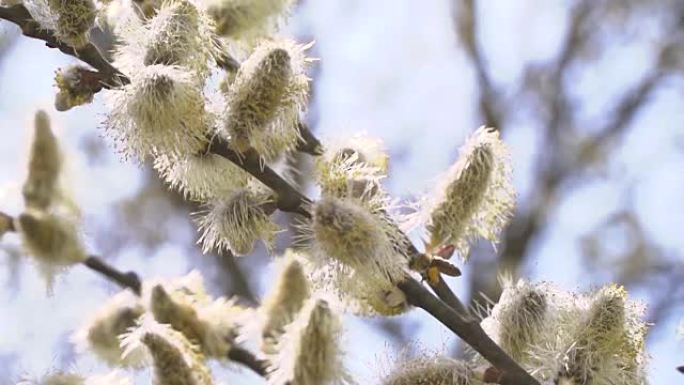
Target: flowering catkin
(179, 34)
(309, 352)
(45, 164)
(266, 97)
(201, 177)
(174, 359)
(70, 20)
(52, 240)
(354, 168)
(430, 370)
(352, 254)
(160, 111)
(64, 378)
(236, 222)
(285, 300)
(100, 334)
(209, 326)
(520, 320)
(349, 234)
(244, 19)
(607, 344)
(475, 198)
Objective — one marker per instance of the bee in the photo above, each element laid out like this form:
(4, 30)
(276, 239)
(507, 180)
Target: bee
(433, 263)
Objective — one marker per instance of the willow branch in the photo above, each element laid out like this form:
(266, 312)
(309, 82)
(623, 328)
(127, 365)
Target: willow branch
(454, 317)
(249, 360)
(89, 54)
(288, 198)
(468, 330)
(129, 279)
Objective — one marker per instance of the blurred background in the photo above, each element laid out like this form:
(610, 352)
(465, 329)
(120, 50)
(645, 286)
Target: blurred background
(589, 94)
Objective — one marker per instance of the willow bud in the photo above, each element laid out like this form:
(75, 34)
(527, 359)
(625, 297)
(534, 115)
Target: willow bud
(431, 371)
(174, 359)
(201, 177)
(101, 334)
(52, 240)
(160, 112)
(285, 300)
(265, 99)
(238, 221)
(475, 198)
(243, 19)
(309, 352)
(44, 166)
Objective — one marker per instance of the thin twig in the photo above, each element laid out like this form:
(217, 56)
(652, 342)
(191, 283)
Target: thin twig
(131, 280)
(288, 198)
(89, 54)
(249, 360)
(468, 330)
(126, 280)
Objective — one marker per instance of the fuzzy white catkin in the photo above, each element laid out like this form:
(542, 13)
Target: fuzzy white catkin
(431, 370)
(174, 359)
(475, 197)
(520, 319)
(70, 20)
(53, 241)
(237, 221)
(41, 187)
(607, 345)
(352, 254)
(284, 301)
(100, 334)
(180, 34)
(354, 168)
(160, 111)
(212, 327)
(266, 97)
(347, 233)
(246, 19)
(201, 177)
(309, 353)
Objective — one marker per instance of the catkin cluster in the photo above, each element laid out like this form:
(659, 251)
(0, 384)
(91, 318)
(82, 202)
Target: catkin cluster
(475, 197)
(70, 20)
(209, 325)
(49, 224)
(560, 337)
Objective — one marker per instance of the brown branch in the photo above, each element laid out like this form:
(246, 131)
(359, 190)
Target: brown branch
(131, 280)
(288, 198)
(89, 54)
(128, 280)
(445, 293)
(309, 144)
(468, 330)
(249, 360)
